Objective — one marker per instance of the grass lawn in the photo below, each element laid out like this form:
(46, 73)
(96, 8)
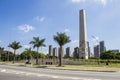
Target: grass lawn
(93, 67)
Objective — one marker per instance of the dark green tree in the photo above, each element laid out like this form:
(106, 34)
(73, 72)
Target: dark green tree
(28, 54)
(117, 56)
(14, 45)
(61, 39)
(107, 55)
(1, 50)
(7, 54)
(23, 55)
(37, 42)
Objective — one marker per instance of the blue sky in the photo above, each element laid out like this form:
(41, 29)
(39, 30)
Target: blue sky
(21, 20)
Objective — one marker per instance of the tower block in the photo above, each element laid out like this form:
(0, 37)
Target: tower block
(83, 46)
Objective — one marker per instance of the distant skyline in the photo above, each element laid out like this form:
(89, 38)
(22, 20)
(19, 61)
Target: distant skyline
(21, 20)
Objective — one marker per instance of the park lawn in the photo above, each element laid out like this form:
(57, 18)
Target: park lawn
(89, 67)
(95, 67)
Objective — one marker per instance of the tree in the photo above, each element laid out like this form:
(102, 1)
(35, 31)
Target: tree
(14, 45)
(37, 42)
(7, 55)
(1, 50)
(117, 56)
(28, 55)
(107, 55)
(61, 39)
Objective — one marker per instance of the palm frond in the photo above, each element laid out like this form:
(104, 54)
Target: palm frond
(61, 38)
(37, 42)
(15, 45)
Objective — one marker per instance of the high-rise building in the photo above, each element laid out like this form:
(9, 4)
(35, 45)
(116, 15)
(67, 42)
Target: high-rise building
(76, 52)
(50, 50)
(83, 45)
(89, 53)
(55, 52)
(102, 46)
(97, 51)
(67, 52)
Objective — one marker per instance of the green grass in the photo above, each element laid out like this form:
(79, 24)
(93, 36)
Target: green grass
(114, 65)
(93, 67)
(87, 67)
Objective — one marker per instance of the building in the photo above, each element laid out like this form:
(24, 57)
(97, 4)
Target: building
(50, 50)
(97, 51)
(89, 53)
(115, 51)
(76, 52)
(102, 46)
(83, 45)
(55, 52)
(68, 52)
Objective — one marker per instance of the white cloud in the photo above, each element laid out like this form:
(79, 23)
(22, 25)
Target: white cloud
(40, 19)
(74, 41)
(103, 2)
(26, 28)
(95, 39)
(26, 46)
(0, 41)
(66, 30)
(77, 1)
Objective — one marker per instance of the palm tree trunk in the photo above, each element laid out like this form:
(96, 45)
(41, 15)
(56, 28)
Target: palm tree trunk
(14, 57)
(60, 56)
(37, 55)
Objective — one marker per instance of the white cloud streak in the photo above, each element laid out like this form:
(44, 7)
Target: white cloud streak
(66, 30)
(78, 1)
(40, 19)
(95, 39)
(26, 46)
(26, 28)
(103, 2)
(74, 41)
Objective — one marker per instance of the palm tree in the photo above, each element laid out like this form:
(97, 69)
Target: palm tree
(28, 55)
(37, 42)
(14, 45)
(61, 39)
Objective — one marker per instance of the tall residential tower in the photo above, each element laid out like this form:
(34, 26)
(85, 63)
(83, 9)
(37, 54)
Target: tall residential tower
(50, 50)
(83, 45)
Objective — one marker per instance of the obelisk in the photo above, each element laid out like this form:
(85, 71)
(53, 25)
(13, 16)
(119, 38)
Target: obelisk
(83, 46)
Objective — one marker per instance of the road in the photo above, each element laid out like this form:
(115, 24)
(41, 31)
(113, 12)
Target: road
(26, 73)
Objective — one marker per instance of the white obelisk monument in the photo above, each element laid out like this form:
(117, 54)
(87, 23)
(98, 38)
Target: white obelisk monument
(83, 46)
